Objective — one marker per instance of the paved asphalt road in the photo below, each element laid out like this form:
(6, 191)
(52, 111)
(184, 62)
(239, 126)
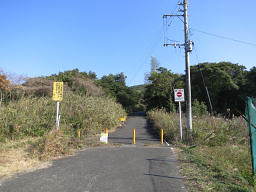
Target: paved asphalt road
(146, 166)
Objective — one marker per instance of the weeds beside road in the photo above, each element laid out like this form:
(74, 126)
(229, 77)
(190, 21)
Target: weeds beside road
(27, 128)
(222, 163)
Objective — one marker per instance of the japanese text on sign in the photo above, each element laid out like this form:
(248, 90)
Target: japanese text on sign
(179, 95)
(57, 91)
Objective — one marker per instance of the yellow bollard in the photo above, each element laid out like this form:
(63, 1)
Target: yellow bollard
(78, 133)
(106, 131)
(134, 135)
(162, 136)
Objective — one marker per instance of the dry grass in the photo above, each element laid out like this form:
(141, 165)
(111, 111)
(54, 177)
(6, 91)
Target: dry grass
(88, 85)
(36, 153)
(26, 136)
(15, 158)
(36, 116)
(222, 163)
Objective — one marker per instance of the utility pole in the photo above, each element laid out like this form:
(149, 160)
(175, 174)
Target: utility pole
(188, 82)
(188, 48)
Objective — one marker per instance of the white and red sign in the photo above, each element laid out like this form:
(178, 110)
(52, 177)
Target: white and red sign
(179, 95)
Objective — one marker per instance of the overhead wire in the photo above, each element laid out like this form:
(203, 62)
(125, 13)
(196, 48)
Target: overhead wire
(151, 50)
(210, 103)
(203, 79)
(167, 23)
(162, 32)
(218, 36)
(169, 20)
(224, 37)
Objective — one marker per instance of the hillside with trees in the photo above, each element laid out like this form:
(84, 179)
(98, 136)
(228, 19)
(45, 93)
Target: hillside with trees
(228, 84)
(93, 104)
(218, 156)
(28, 118)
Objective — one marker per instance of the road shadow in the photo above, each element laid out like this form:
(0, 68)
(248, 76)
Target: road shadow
(144, 134)
(139, 113)
(162, 160)
(163, 176)
(163, 169)
(130, 138)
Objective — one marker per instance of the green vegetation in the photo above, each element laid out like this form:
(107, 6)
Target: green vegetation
(221, 163)
(138, 88)
(115, 86)
(33, 116)
(227, 83)
(159, 93)
(28, 112)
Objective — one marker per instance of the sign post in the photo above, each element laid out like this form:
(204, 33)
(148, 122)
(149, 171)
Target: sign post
(179, 97)
(57, 96)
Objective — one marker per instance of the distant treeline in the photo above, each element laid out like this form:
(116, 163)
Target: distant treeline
(81, 83)
(228, 84)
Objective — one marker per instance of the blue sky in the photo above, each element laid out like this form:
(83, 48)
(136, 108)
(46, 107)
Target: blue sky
(42, 37)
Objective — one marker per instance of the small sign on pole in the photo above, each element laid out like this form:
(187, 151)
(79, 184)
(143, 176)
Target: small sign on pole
(57, 91)
(179, 97)
(57, 96)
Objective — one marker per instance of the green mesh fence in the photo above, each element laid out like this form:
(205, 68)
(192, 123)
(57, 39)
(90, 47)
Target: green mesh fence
(250, 113)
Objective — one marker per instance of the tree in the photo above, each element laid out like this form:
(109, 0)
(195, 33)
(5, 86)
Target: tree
(224, 81)
(159, 94)
(251, 82)
(154, 65)
(115, 86)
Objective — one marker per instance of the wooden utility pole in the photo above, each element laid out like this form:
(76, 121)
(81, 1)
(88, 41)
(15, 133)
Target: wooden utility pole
(188, 48)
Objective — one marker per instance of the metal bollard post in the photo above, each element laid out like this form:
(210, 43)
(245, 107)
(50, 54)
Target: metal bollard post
(134, 135)
(162, 136)
(78, 133)
(78, 130)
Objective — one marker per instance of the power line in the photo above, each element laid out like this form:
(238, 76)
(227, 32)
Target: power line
(162, 31)
(188, 44)
(167, 22)
(151, 50)
(224, 37)
(203, 79)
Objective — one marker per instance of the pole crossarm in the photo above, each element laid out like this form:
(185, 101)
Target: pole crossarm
(174, 44)
(165, 16)
(188, 45)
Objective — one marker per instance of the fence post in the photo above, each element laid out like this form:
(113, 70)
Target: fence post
(250, 114)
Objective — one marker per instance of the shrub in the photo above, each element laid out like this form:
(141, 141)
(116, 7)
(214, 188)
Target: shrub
(199, 108)
(232, 131)
(221, 163)
(169, 122)
(53, 144)
(36, 116)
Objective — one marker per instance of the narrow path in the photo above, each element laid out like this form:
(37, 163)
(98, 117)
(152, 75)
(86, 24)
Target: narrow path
(125, 135)
(124, 168)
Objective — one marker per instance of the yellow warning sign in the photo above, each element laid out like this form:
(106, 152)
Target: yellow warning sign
(122, 119)
(57, 91)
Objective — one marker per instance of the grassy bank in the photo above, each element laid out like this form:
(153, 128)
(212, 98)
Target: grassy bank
(222, 163)
(27, 127)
